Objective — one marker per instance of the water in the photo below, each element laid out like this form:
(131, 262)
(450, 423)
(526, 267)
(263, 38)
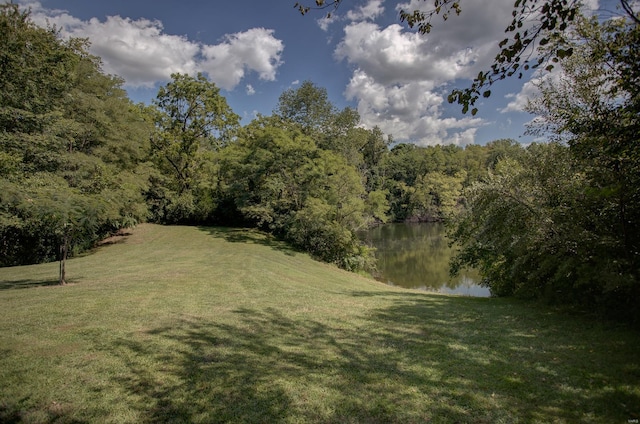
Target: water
(417, 256)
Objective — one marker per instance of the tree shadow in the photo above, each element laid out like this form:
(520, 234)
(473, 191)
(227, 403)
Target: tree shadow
(414, 361)
(251, 236)
(28, 284)
(14, 413)
(211, 376)
(538, 367)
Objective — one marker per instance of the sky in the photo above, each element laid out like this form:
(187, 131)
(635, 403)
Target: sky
(362, 55)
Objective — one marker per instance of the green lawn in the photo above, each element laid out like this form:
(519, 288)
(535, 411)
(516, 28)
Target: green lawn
(186, 324)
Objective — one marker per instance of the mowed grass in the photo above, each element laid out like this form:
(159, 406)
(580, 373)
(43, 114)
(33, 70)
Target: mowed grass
(186, 324)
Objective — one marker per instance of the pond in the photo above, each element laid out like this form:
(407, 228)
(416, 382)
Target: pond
(417, 256)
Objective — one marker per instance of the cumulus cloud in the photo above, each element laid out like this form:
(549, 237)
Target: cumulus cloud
(142, 54)
(393, 54)
(518, 101)
(250, 90)
(410, 112)
(401, 78)
(326, 21)
(371, 10)
(138, 51)
(253, 50)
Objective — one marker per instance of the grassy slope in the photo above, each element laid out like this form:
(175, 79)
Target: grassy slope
(180, 324)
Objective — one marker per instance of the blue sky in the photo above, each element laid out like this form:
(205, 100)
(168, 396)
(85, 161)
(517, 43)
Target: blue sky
(364, 57)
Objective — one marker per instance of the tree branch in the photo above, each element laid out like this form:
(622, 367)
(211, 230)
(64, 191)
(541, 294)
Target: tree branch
(630, 12)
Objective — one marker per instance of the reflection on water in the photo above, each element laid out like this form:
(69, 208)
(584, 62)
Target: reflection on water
(417, 256)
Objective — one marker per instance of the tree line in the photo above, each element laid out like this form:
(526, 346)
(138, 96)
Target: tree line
(556, 220)
(81, 161)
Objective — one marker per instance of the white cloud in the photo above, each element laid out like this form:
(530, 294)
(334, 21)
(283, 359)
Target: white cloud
(366, 12)
(325, 21)
(139, 51)
(401, 78)
(371, 10)
(409, 112)
(393, 54)
(250, 90)
(255, 50)
(142, 54)
(520, 100)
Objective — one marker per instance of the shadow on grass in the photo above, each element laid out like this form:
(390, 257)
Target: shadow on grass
(12, 413)
(248, 235)
(419, 358)
(27, 284)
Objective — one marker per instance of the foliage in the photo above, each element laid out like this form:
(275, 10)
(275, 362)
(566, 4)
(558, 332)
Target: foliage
(511, 225)
(562, 222)
(279, 180)
(36, 70)
(425, 183)
(307, 106)
(193, 120)
(71, 146)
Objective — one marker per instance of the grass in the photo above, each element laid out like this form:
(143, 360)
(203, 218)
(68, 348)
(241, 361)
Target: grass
(185, 324)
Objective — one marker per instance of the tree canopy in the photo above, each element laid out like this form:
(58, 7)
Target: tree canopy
(72, 146)
(560, 221)
(192, 121)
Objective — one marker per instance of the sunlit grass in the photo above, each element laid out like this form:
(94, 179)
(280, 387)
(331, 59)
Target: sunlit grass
(185, 324)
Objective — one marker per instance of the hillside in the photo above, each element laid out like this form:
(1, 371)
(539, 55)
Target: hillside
(187, 324)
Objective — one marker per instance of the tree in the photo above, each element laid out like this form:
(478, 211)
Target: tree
(337, 131)
(307, 106)
(510, 229)
(36, 69)
(498, 150)
(436, 196)
(424, 183)
(535, 23)
(193, 120)
(71, 147)
(373, 148)
(279, 180)
(595, 109)
(561, 221)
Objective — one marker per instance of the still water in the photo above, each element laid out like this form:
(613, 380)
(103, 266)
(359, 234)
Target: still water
(417, 256)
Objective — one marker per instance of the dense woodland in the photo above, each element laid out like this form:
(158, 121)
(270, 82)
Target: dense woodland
(556, 220)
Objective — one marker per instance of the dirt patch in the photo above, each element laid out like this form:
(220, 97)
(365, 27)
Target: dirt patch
(120, 236)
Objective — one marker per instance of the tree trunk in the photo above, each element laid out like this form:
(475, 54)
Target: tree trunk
(64, 247)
